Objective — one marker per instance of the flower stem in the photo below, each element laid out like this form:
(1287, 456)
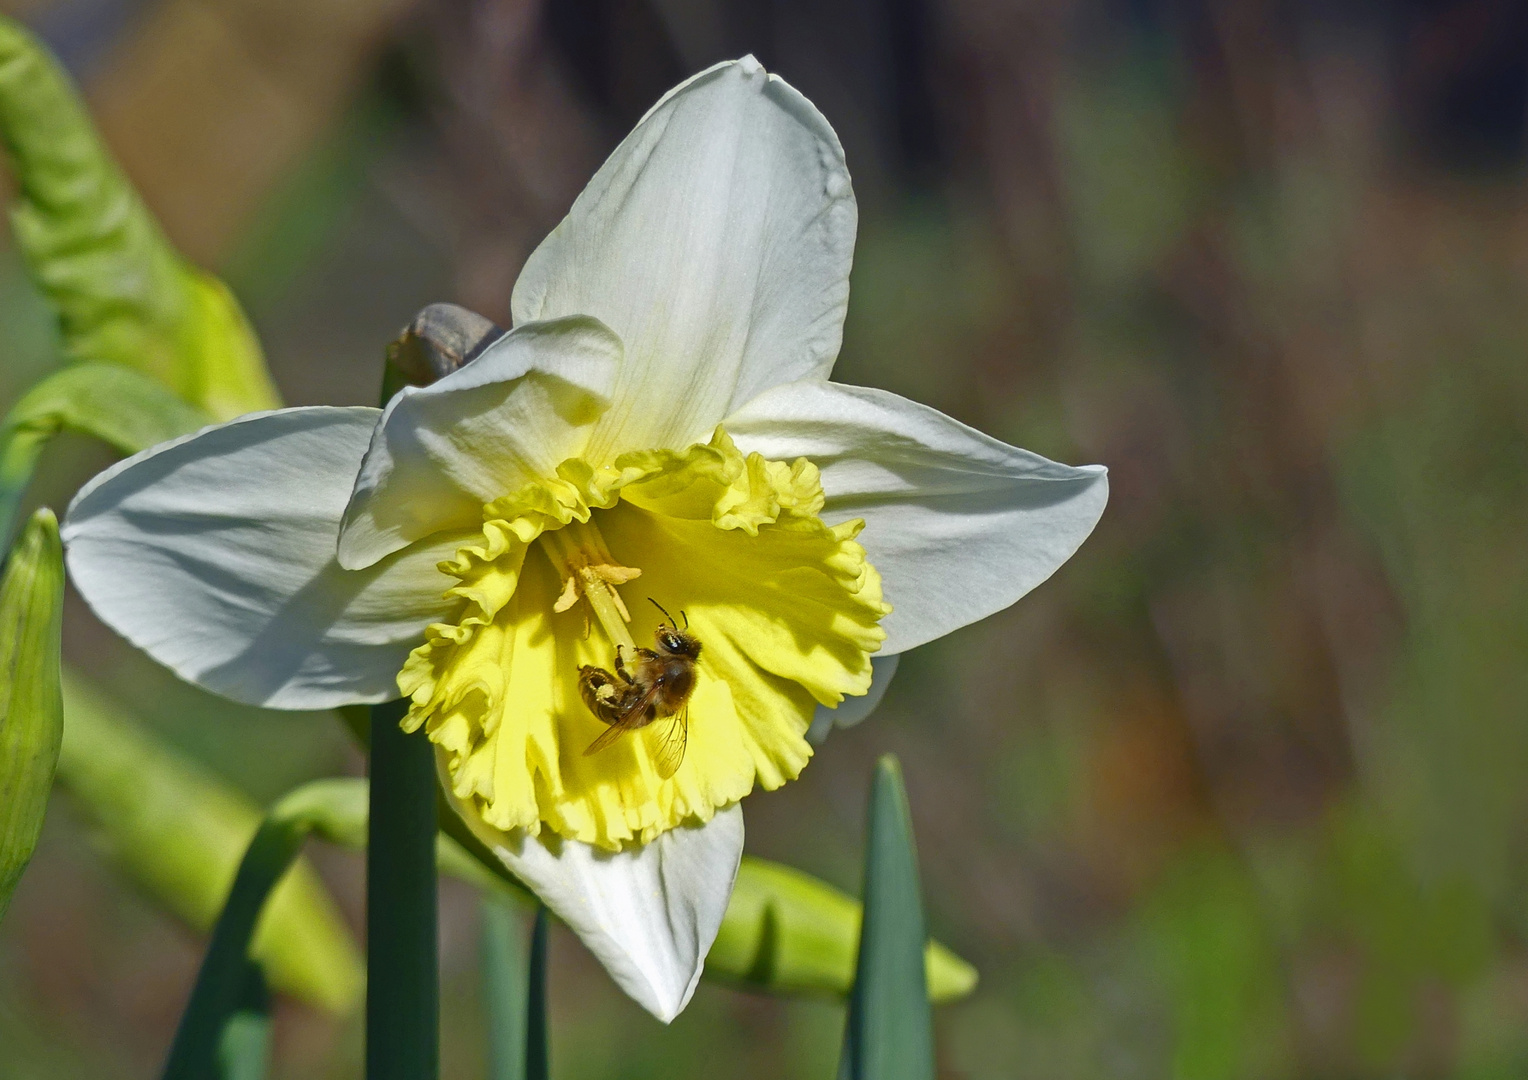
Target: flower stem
(402, 962)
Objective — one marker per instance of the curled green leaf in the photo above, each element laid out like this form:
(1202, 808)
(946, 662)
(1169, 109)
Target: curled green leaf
(786, 932)
(115, 404)
(31, 712)
(124, 408)
(180, 833)
(123, 295)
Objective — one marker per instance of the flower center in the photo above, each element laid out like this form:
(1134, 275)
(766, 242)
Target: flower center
(589, 572)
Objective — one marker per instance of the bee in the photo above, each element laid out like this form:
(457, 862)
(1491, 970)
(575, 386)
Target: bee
(654, 691)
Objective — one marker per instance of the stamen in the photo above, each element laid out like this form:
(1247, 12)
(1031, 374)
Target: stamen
(589, 571)
(569, 595)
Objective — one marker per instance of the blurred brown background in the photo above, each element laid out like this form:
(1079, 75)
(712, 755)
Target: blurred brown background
(1239, 793)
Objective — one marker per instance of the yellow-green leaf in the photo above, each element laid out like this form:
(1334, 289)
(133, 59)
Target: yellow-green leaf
(180, 832)
(123, 295)
(786, 932)
(115, 404)
(31, 714)
(126, 409)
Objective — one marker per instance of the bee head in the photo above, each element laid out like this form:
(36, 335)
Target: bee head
(678, 643)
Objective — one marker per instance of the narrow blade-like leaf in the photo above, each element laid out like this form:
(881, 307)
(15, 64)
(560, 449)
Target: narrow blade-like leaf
(506, 985)
(223, 1015)
(244, 1051)
(210, 1023)
(538, 1049)
(890, 1032)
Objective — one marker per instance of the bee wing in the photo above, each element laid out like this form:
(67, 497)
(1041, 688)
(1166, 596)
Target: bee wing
(629, 720)
(668, 741)
(608, 736)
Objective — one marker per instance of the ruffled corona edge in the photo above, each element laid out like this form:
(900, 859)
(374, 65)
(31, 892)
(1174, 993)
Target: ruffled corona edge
(786, 607)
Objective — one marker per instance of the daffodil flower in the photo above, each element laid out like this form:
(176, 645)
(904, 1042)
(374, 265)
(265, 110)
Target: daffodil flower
(657, 426)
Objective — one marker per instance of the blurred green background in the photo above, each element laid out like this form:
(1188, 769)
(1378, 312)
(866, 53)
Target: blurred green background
(1240, 792)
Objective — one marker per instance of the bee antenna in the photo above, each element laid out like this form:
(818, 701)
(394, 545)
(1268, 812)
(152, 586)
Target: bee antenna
(686, 616)
(663, 609)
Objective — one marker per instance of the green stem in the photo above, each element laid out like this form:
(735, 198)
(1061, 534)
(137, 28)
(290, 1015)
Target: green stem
(402, 962)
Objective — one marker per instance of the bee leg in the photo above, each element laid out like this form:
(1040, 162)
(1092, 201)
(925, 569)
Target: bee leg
(620, 665)
(600, 692)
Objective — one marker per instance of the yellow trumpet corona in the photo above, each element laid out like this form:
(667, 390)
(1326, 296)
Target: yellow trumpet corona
(787, 607)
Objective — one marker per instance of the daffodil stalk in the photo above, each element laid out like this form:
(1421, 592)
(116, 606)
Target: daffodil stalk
(657, 425)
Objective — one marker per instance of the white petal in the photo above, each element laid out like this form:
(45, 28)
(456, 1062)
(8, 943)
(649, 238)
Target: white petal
(215, 554)
(959, 524)
(716, 241)
(648, 913)
(509, 417)
(855, 709)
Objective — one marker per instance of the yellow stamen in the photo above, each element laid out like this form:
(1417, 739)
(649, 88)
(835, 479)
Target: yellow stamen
(588, 570)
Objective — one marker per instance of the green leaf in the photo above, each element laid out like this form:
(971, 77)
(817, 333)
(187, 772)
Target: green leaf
(327, 807)
(31, 712)
(506, 988)
(123, 295)
(180, 833)
(244, 1051)
(225, 1032)
(890, 1033)
(116, 404)
(113, 403)
(514, 998)
(786, 932)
